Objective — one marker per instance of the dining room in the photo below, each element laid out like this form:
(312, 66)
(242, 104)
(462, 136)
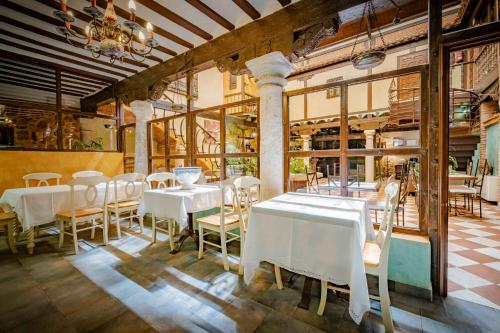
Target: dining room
(249, 166)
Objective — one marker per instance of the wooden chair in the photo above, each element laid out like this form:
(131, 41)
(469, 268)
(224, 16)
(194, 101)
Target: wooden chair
(312, 185)
(471, 191)
(42, 178)
(376, 259)
(126, 207)
(222, 223)
(87, 173)
(161, 179)
(248, 192)
(7, 222)
(93, 210)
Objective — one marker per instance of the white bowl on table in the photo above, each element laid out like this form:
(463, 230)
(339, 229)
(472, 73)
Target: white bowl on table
(187, 176)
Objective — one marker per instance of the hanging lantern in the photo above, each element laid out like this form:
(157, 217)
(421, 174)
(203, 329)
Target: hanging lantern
(371, 57)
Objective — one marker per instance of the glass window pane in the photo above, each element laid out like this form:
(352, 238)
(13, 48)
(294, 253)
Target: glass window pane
(241, 166)
(241, 129)
(158, 165)
(95, 134)
(177, 136)
(158, 138)
(368, 176)
(385, 113)
(129, 141)
(210, 168)
(175, 163)
(207, 132)
(315, 175)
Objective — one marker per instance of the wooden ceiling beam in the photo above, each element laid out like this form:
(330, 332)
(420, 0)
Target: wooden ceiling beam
(384, 18)
(248, 8)
(170, 15)
(39, 87)
(44, 82)
(28, 59)
(61, 58)
(27, 66)
(284, 2)
(211, 14)
(274, 32)
(95, 86)
(4, 66)
(56, 22)
(64, 51)
(125, 15)
(93, 80)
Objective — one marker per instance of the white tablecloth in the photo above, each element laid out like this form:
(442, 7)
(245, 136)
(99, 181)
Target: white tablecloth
(39, 205)
(319, 236)
(175, 203)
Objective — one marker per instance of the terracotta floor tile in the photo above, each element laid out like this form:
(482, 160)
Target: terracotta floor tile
(452, 286)
(484, 272)
(495, 237)
(492, 293)
(476, 256)
(466, 243)
(460, 234)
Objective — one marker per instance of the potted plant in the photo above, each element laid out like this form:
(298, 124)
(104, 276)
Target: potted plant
(452, 164)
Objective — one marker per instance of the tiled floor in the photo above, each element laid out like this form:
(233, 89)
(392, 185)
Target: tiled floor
(474, 256)
(133, 286)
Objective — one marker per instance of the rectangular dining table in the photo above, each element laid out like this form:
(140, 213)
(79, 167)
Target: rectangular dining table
(321, 237)
(35, 206)
(179, 205)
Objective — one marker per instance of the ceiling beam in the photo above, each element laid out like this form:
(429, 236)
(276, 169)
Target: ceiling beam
(6, 74)
(64, 51)
(248, 8)
(384, 18)
(4, 66)
(28, 59)
(33, 67)
(274, 32)
(39, 87)
(170, 15)
(58, 57)
(95, 86)
(33, 80)
(87, 80)
(125, 15)
(211, 14)
(284, 2)
(54, 21)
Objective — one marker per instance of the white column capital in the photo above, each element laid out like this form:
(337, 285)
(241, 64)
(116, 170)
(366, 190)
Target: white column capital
(271, 69)
(143, 110)
(370, 132)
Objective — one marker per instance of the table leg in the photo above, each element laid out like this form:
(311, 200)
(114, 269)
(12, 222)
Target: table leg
(188, 232)
(30, 235)
(306, 293)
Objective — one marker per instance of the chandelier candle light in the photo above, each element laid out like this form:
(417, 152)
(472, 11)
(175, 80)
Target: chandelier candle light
(105, 36)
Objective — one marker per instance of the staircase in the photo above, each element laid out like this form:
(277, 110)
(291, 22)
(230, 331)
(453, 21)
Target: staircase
(464, 148)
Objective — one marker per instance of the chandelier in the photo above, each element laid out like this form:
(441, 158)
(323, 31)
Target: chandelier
(105, 36)
(373, 56)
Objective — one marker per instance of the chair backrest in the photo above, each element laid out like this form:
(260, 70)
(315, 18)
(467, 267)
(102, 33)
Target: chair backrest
(312, 181)
(42, 178)
(134, 186)
(228, 186)
(161, 179)
(479, 182)
(91, 195)
(87, 173)
(385, 230)
(248, 191)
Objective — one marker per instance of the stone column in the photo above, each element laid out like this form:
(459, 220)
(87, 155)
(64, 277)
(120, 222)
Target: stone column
(270, 71)
(143, 111)
(306, 147)
(369, 160)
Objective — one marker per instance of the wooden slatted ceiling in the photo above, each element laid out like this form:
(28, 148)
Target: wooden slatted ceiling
(28, 28)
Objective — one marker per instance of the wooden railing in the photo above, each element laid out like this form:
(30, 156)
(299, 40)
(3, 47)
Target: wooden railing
(485, 63)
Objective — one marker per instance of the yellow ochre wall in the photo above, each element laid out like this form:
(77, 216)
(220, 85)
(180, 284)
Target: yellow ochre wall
(15, 164)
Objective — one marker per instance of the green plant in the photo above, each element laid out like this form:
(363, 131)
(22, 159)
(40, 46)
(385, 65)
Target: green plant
(452, 162)
(95, 144)
(297, 165)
